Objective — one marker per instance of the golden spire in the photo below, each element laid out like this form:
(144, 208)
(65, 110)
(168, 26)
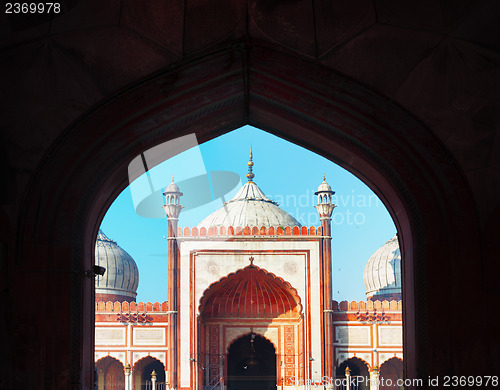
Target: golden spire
(324, 177)
(250, 174)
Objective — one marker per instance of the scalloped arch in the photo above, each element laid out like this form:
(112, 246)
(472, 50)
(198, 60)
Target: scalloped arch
(388, 360)
(363, 361)
(110, 357)
(141, 360)
(249, 292)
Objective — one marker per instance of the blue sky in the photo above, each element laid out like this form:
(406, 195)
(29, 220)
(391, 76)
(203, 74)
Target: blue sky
(287, 173)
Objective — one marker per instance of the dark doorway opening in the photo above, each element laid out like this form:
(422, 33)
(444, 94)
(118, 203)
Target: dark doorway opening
(143, 370)
(251, 364)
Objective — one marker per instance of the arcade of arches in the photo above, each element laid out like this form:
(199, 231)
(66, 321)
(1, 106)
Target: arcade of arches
(389, 374)
(111, 374)
(402, 94)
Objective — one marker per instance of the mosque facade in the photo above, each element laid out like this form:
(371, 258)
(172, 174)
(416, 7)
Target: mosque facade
(250, 306)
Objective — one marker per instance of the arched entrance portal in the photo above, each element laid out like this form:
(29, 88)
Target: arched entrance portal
(110, 374)
(243, 317)
(390, 372)
(143, 370)
(251, 364)
(358, 368)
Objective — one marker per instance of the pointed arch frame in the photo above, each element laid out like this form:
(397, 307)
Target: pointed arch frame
(110, 357)
(291, 97)
(386, 360)
(149, 356)
(363, 361)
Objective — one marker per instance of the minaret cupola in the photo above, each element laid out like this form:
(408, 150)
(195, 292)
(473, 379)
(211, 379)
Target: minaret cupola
(325, 205)
(172, 205)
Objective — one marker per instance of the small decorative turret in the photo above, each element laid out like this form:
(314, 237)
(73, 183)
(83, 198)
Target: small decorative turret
(250, 174)
(325, 205)
(172, 205)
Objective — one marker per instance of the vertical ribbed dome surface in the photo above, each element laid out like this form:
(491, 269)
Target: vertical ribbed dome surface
(251, 292)
(249, 207)
(382, 275)
(121, 276)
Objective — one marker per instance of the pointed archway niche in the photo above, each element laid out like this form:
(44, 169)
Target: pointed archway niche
(143, 369)
(109, 374)
(250, 318)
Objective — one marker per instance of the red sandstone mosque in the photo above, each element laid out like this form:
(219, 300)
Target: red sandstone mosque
(249, 306)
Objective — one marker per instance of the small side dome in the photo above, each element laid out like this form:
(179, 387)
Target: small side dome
(382, 274)
(121, 278)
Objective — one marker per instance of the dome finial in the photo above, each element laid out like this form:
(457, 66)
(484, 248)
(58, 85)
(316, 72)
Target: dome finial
(324, 177)
(250, 174)
(172, 178)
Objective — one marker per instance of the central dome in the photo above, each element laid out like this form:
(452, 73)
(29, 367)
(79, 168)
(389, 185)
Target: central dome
(249, 207)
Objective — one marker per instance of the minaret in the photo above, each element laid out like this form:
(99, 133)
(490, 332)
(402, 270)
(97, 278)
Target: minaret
(173, 208)
(325, 209)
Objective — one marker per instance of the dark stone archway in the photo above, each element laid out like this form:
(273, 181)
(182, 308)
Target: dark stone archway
(86, 89)
(317, 108)
(251, 364)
